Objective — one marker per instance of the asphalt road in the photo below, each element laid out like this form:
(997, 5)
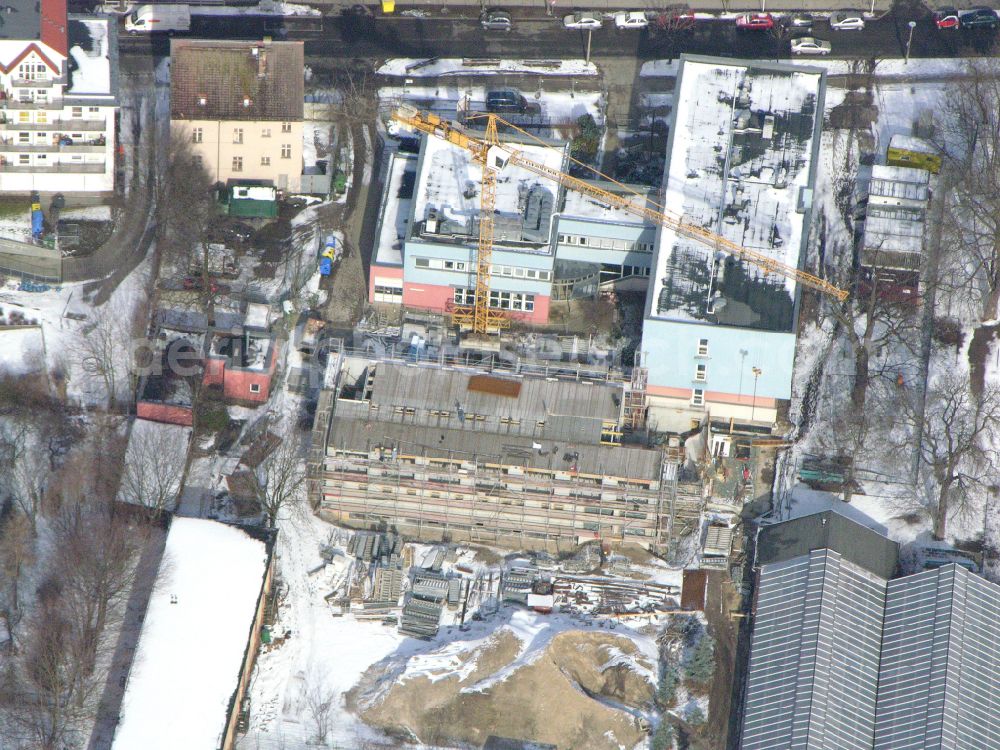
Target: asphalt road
(365, 37)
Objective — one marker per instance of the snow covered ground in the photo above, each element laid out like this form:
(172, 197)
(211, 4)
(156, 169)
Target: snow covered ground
(22, 350)
(193, 638)
(66, 315)
(424, 68)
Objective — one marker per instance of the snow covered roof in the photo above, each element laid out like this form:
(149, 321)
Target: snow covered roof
(396, 204)
(911, 143)
(91, 56)
(580, 206)
(449, 183)
(740, 155)
(193, 639)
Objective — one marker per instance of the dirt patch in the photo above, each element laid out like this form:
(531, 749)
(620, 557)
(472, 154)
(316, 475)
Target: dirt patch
(979, 349)
(567, 694)
(856, 112)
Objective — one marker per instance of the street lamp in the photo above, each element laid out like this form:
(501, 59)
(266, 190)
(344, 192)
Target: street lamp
(757, 372)
(743, 361)
(909, 41)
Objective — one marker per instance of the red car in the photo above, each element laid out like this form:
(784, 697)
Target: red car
(946, 18)
(755, 21)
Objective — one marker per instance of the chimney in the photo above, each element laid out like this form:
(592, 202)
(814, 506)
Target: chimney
(261, 62)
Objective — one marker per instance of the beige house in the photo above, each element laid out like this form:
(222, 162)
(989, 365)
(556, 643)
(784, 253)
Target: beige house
(240, 105)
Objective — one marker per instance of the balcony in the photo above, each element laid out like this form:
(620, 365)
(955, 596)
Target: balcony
(9, 103)
(31, 83)
(34, 148)
(58, 125)
(53, 168)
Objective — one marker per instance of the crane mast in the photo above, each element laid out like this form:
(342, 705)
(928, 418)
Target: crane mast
(492, 156)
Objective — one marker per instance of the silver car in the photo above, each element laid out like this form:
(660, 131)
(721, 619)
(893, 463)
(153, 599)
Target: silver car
(847, 20)
(496, 20)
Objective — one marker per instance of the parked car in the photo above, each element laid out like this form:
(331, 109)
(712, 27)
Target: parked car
(946, 18)
(583, 21)
(847, 20)
(506, 100)
(808, 45)
(634, 19)
(496, 20)
(979, 18)
(755, 22)
(801, 21)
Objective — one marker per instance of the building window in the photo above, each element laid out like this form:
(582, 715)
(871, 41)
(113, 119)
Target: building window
(76, 113)
(237, 135)
(698, 397)
(702, 347)
(265, 161)
(196, 135)
(265, 133)
(465, 296)
(255, 388)
(197, 159)
(42, 117)
(286, 127)
(701, 373)
(24, 117)
(286, 151)
(23, 158)
(23, 137)
(237, 163)
(93, 110)
(422, 262)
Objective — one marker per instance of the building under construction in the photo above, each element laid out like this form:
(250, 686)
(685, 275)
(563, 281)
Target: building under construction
(443, 452)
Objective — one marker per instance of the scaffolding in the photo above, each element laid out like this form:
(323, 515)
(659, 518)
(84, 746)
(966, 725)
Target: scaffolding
(635, 406)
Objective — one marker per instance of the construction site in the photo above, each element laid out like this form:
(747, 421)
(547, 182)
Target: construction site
(454, 452)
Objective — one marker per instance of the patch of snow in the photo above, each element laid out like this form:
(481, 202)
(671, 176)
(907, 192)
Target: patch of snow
(93, 68)
(22, 351)
(659, 68)
(424, 68)
(86, 213)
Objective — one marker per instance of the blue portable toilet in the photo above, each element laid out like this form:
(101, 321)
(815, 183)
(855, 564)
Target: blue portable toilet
(37, 221)
(325, 266)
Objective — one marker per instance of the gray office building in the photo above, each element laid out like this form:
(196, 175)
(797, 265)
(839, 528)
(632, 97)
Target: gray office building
(844, 659)
(815, 655)
(939, 682)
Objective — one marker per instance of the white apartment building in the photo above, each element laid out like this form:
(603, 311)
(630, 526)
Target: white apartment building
(58, 78)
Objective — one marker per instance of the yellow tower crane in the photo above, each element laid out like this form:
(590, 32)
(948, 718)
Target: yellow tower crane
(493, 156)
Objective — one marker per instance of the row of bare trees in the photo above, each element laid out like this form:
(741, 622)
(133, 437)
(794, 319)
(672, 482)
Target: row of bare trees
(944, 429)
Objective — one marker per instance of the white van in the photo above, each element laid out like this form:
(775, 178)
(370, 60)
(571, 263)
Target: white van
(149, 19)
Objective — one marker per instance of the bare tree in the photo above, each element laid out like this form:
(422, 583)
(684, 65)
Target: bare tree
(967, 132)
(97, 552)
(103, 350)
(186, 211)
(954, 449)
(281, 476)
(17, 550)
(319, 698)
(154, 465)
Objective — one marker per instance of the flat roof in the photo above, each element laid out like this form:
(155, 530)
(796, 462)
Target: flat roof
(396, 209)
(93, 57)
(449, 182)
(742, 149)
(193, 639)
(577, 205)
(356, 432)
(856, 543)
(536, 398)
